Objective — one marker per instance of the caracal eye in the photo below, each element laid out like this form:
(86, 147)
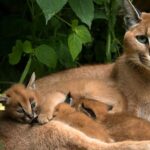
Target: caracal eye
(142, 39)
(33, 104)
(20, 110)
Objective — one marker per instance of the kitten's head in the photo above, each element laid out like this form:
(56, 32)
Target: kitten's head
(92, 108)
(21, 103)
(137, 37)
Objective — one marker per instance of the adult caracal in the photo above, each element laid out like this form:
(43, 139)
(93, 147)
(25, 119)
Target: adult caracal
(130, 74)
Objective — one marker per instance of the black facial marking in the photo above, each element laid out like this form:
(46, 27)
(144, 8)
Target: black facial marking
(69, 99)
(88, 111)
(110, 107)
(142, 58)
(20, 109)
(34, 120)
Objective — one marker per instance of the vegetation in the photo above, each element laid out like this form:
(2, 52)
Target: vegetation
(50, 35)
(1, 145)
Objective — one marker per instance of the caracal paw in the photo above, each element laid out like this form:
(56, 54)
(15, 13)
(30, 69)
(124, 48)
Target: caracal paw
(44, 118)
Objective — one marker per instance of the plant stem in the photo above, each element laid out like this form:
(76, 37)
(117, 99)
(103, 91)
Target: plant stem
(61, 19)
(26, 70)
(31, 7)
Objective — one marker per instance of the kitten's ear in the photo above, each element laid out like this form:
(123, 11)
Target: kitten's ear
(131, 15)
(4, 100)
(69, 99)
(31, 84)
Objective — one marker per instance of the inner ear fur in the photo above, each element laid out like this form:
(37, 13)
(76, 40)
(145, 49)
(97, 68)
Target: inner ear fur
(31, 84)
(131, 15)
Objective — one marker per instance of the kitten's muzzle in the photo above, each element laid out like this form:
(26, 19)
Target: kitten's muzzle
(30, 117)
(35, 120)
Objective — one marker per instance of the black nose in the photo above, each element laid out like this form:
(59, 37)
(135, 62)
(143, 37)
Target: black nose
(34, 120)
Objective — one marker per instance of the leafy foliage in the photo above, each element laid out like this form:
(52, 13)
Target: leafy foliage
(75, 45)
(50, 35)
(84, 9)
(51, 7)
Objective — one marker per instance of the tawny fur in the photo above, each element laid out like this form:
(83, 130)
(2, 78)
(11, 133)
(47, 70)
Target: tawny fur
(56, 135)
(130, 74)
(65, 113)
(120, 126)
(20, 96)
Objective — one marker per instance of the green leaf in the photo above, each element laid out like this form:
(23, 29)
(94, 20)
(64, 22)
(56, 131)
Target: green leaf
(84, 9)
(64, 55)
(75, 45)
(46, 55)
(15, 56)
(74, 23)
(27, 47)
(83, 33)
(51, 7)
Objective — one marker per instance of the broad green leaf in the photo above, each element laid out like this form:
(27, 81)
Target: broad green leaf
(46, 55)
(15, 56)
(51, 7)
(84, 9)
(83, 33)
(27, 47)
(75, 45)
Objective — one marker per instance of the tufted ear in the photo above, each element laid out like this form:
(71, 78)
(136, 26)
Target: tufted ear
(4, 100)
(31, 84)
(69, 99)
(131, 15)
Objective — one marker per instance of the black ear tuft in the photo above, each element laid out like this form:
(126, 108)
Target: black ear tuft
(69, 99)
(131, 15)
(88, 111)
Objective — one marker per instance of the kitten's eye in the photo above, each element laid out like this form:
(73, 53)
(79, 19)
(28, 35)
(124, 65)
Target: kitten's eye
(33, 104)
(142, 39)
(20, 110)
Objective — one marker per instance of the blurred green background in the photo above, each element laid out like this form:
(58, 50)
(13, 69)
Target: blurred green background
(46, 36)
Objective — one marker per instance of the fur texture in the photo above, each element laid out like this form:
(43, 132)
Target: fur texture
(120, 126)
(131, 77)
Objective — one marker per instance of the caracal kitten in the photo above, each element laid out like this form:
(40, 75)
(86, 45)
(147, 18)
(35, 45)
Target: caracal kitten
(120, 126)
